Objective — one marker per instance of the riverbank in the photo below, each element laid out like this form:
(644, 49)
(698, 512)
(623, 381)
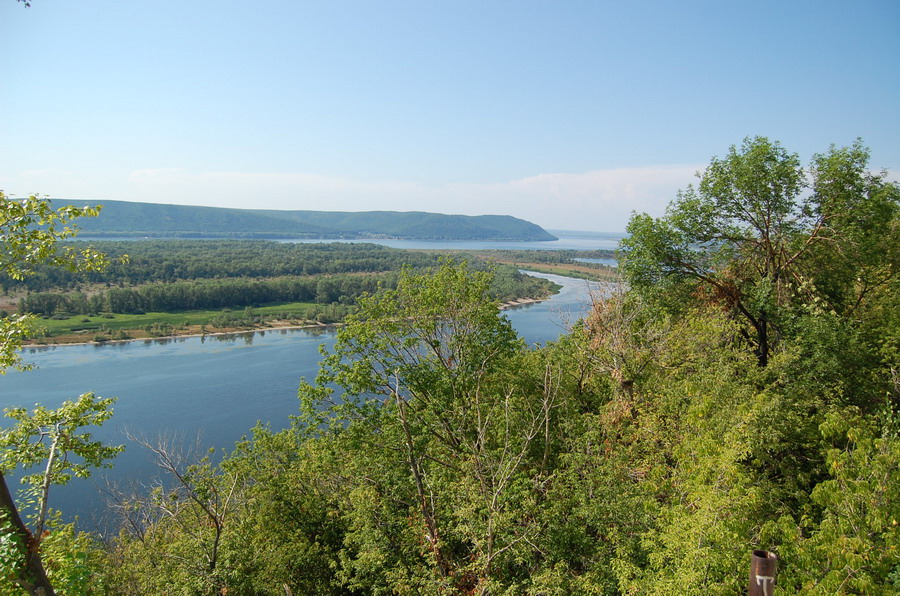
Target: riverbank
(188, 331)
(67, 340)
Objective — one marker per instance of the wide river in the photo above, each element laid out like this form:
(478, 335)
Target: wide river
(566, 240)
(207, 391)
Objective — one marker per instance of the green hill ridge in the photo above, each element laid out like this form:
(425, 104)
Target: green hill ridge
(125, 218)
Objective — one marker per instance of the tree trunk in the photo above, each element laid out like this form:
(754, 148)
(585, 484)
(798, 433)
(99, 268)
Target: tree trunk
(428, 515)
(762, 334)
(45, 485)
(31, 576)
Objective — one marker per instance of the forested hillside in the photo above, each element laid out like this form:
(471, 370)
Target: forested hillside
(123, 218)
(741, 392)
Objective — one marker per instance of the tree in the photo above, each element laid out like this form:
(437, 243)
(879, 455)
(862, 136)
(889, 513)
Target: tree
(624, 340)
(437, 395)
(794, 449)
(30, 233)
(858, 230)
(54, 437)
(188, 511)
(749, 237)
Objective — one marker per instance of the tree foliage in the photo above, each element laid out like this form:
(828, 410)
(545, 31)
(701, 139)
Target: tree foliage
(740, 393)
(749, 238)
(30, 231)
(425, 366)
(56, 441)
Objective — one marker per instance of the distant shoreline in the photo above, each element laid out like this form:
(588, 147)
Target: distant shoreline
(37, 346)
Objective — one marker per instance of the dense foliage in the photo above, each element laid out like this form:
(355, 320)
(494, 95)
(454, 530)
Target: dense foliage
(181, 275)
(764, 238)
(167, 261)
(649, 451)
(507, 284)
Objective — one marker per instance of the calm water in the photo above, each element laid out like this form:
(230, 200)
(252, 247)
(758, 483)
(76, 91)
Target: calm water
(209, 390)
(610, 262)
(568, 240)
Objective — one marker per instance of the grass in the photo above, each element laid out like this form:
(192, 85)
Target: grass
(125, 326)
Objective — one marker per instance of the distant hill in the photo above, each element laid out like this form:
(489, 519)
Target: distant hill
(123, 218)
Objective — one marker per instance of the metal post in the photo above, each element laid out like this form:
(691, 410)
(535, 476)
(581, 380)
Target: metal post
(763, 568)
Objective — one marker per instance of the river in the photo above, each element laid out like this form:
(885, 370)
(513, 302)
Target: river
(566, 240)
(208, 391)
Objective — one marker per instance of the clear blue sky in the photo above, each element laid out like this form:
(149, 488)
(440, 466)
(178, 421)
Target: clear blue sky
(568, 114)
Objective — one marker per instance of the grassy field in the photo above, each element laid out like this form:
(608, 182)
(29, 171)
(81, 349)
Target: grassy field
(106, 327)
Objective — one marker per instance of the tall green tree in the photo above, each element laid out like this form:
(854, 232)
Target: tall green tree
(857, 233)
(749, 235)
(30, 234)
(57, 441)
(427, 384)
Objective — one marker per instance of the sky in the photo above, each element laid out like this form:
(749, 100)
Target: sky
(569, 114)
